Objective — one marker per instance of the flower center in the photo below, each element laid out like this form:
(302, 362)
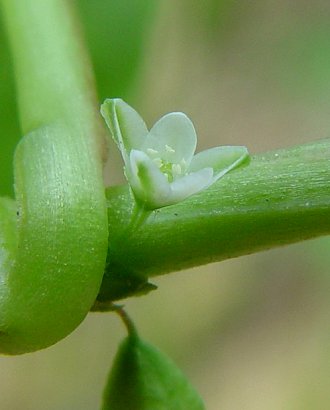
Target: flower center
(170, 169)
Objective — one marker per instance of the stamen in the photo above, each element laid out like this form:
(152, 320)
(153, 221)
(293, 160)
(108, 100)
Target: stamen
(183, 164)
(152, 152)
(158, 162)
(169, 149)
(176, 169)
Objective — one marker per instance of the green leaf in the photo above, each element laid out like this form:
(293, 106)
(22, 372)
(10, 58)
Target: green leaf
(143, 378)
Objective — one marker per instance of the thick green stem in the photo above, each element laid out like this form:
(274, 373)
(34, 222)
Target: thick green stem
(52, 71)
(278, 198)
(51, 263)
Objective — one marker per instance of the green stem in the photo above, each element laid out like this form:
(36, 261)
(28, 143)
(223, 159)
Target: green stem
(52, 71)
(51, 269)
(280, 197)
(130, 327)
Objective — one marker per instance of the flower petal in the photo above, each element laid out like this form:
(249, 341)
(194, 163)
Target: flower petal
(221, 159)
(190, 184)
(173, 137)
(149, 184)
(127, 127)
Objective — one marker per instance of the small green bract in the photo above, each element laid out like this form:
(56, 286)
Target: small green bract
(160, 164)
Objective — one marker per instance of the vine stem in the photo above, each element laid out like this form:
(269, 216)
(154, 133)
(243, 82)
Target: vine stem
(55, 250)
(280, 197)
(131, 329)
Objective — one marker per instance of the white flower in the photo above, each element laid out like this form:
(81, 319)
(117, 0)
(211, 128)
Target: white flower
(160, 165)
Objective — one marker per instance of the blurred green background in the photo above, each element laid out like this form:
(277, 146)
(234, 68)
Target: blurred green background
(251, 333)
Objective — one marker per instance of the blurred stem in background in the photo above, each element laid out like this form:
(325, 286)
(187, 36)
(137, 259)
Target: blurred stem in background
(9, 127)
(116, 34)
